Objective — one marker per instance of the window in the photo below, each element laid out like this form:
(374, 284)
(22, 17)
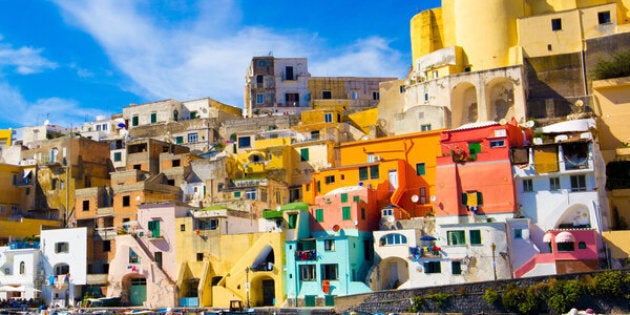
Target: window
(288, 72)
(244, 142)
(578, 183)
(330, 179)
(475, 237)
(376, 96)
(153, 118)
(62, 247)
(363, 173)
(328, 117)
(199, 256)
(362, 213)
(192, 138)
(133, 257)
(157, 257)
(566, 247)
(304, 155)
(176, 163)
(374, 172)
(344, 197)
(554, 183)
(259, 79)
(425, 127)
(518, 234)
(556, 24)
(262, 63)
(193, 115)
(345, 213)
(62, 269)
(329, 245)
(603, 17)
(107, 246)
(456, 238)
(126, 201)
(307, 273)
(179, 139)
(53, 183)
(22, 267)
(260, 98)
(117, 156)
(319, 215)
(420, 170)
(432, 267)
(134, 120)
(528, 185)
(329, 272)
(251, 194)
(582, 245)
(423, 195)
(426, 96)
(497, 143)
(86, 205)
(237, 194)
(326, 95)
(393, 239)
(292, 220)
(456, 267)
(154, 227)
(315, 135)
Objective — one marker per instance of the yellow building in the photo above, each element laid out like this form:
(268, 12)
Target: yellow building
(501, 59)
(220, 264)
(6, 137)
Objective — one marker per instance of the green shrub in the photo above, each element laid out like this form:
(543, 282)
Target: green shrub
(512, 297)
(417, 302)
(618, 66)
(439, 298)
(609, 283)
(491, 296)
(558, 303)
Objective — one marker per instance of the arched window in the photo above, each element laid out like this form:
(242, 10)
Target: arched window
(22, 267)
(393, 239)
(175, 115)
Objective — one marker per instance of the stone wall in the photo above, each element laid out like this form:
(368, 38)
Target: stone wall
(466, 299)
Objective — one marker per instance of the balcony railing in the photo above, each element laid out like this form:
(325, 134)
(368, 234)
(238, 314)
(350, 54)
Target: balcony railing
(304, 255)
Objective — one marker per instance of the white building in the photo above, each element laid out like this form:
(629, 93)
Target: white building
(20, 271)
(64, 264)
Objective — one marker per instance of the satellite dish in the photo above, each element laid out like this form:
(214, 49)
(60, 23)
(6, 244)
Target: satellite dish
(415, 198)
(502, 122)
(579, 103)
(336, 228)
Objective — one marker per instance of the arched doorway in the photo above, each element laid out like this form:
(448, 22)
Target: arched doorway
(392, 272)
(500, 99)
(135, 286)
(263, 291)
(464, 104)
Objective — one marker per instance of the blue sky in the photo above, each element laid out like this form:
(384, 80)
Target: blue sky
(68, 61)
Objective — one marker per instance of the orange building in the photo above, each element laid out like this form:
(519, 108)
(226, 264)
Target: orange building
(400, 168)
(475, 169)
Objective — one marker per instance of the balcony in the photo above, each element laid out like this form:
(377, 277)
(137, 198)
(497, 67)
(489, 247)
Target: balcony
(305, 255)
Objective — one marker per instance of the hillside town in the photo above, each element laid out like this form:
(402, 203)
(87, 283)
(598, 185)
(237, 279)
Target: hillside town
(503, 154)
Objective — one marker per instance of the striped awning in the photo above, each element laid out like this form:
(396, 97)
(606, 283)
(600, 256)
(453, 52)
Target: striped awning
(565, 237)
(547, 237)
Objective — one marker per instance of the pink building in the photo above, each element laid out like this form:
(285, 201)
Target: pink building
(351, 207)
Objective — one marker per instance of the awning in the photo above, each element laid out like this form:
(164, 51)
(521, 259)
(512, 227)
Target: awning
(565, 237)
(547, 237)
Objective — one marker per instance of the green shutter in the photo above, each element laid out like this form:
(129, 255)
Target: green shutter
(464, 199)
(374, 172)
(475, 237)
(420, 169)
(319, 215)
(304, 155)
(344, 197)
(479, 198)
(237, 194)
(292, 220)
(346, 213)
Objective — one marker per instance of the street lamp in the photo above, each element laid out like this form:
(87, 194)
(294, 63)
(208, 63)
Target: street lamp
(247, 284)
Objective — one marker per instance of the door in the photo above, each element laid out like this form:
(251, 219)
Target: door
(269, 292)
(138, 291)
(393, 180)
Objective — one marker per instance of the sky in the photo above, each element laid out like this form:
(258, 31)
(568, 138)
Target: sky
(69, 61)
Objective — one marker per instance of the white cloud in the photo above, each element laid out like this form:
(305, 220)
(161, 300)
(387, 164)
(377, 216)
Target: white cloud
(209, 56)
(66, 112)
(25, 60)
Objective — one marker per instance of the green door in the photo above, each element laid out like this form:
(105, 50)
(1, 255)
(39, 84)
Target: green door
(138, 292)
(269, 292)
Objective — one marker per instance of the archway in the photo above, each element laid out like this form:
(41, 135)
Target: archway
(464, 104)
(134, 289)
(576, 216)
(392, 272)
(500, 99)
(263, 291)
